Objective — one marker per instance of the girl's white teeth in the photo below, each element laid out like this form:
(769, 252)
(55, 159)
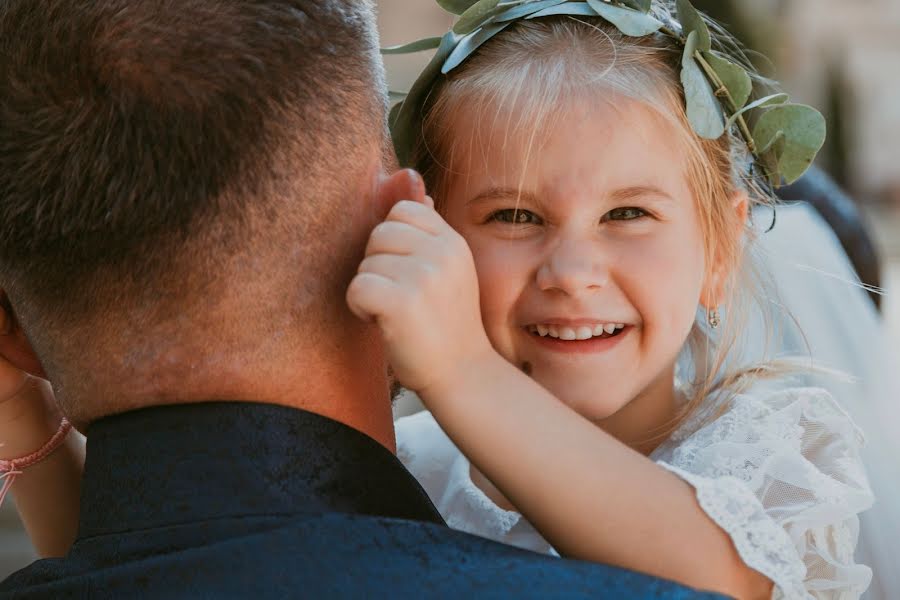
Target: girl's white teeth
(579, 333)
(567, 333)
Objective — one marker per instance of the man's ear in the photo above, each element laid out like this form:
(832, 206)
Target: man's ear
(714, 288)
(405, 184)
(14, 346)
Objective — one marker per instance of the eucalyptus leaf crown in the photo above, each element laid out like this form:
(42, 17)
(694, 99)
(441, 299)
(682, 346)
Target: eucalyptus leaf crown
(784, 138)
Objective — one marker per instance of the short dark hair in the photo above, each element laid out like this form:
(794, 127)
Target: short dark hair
(126, 125)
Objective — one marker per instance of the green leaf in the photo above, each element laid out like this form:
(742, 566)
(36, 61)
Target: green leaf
(475, 17)
(692, 21)
(704, 111)
(456, 7)
(776, 144)
(771, 157)
(641, 5)
(470, 44)
(417, 46)
(735, 78)
(780, 98)
(404, 130)
(524, 10)
(580, 9)
(630, 22)
(803, 129)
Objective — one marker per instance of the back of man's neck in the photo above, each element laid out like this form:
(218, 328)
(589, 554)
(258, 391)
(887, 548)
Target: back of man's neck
(350, 388)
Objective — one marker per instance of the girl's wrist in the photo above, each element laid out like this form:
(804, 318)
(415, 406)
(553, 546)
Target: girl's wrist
(462, 376)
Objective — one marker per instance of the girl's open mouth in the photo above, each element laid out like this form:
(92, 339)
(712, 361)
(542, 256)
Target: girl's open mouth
(579, 340)
(577, 334)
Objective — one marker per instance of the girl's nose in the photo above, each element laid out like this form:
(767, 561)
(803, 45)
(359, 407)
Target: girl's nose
(574, 268)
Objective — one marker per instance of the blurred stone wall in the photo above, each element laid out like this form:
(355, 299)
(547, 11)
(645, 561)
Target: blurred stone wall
(860, 42)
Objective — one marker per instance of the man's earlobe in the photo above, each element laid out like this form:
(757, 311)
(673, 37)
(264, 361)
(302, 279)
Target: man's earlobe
(405, 184)
(14, 345)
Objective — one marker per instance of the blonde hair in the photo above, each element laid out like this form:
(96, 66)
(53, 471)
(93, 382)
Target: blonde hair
(525, 73)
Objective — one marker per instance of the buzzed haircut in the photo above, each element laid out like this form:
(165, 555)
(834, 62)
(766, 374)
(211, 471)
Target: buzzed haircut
(127, 126)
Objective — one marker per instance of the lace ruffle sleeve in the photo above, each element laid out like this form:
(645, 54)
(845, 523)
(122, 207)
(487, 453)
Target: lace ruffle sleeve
(781, 474)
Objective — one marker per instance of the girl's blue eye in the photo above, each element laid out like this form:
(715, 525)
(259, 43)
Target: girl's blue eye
(515, 216)
(629, 213)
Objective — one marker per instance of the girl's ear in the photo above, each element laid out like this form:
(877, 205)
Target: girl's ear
(714, 291)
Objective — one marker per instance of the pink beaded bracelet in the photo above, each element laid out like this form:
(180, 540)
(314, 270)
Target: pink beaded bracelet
(10, 469)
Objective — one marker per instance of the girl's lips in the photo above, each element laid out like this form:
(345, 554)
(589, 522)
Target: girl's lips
(591, 346)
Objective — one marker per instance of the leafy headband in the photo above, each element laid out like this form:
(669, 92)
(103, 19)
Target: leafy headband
(784, 138)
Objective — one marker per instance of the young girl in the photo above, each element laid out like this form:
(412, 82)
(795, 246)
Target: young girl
(561, 154)
(545, 310)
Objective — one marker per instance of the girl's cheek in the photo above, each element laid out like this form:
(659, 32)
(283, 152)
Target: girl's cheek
(500, 281)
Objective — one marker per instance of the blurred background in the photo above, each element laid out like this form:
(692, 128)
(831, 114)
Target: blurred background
(841, 57)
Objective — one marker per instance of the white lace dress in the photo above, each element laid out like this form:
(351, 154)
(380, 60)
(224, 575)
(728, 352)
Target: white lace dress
(779, 471)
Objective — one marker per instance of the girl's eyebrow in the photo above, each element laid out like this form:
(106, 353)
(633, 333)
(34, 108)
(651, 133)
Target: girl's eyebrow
(500, 193)
(620, 195)
(639, 191)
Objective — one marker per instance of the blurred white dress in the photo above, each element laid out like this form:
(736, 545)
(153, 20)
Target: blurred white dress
(781, 470)
(814, 281)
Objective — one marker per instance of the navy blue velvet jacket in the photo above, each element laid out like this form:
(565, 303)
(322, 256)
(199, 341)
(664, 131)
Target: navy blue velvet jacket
(238, 500)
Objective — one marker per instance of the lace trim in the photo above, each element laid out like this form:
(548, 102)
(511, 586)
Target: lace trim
(761, 543)
(469, 500)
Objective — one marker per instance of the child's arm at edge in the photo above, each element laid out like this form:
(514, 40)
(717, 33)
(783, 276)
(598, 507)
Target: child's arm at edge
(48, 493)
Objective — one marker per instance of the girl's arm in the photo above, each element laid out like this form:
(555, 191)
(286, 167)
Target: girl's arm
(591, 496)
(47, 494)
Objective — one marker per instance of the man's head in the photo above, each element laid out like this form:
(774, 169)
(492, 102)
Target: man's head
(185, 189)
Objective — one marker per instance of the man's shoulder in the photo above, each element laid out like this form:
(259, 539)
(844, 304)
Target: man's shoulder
(332, 555)
(437, 561)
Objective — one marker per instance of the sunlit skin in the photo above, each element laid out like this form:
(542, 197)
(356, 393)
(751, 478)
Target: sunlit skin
(595, 225)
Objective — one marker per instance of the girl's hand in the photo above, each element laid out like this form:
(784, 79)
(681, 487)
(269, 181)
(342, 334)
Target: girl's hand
(418, 282)
(28, 410)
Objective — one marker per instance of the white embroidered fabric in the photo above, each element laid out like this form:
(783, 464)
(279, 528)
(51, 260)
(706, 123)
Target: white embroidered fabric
(778, 471)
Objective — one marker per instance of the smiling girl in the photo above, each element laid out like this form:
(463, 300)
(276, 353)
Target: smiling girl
(542, 307)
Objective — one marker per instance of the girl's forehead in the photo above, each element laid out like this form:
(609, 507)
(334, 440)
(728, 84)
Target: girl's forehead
(585, 143)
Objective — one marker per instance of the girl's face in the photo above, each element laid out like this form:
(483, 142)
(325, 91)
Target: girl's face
(588, 248)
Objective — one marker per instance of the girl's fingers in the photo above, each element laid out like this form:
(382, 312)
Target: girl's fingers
(369, 295)
(394, 237)
(418, 215)
(394, 267)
